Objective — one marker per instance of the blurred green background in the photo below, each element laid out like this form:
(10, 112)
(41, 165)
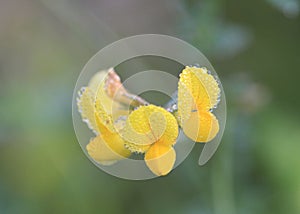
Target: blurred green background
(253, 45)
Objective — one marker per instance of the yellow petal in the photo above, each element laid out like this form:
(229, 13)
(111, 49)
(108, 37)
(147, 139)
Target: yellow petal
(103, 127)
(97, 79)
(103, 118)
(105, 109)
(201, 126)
(160, 159)
(107, 152)
(147, 125)
(105, 105)
(197, 89)
(96, 92)
(85, 103)
(107, 147)
(96, 85)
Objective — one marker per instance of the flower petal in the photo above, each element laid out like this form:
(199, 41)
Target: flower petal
(103, 118)
(104, 105)
(147, 125)
(97, 79)
(197, 89)
(107, 152)
(85, 103)
(88, 96)
(160, 159)
(201, 126)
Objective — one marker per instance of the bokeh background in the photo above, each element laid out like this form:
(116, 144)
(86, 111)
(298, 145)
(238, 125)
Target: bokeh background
(253, 45)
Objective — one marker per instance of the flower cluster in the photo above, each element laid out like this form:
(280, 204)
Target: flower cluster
(125, 123)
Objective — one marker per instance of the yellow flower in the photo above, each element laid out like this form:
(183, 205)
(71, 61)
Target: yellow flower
(96, 109)
(152, 130)
(198, 94)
